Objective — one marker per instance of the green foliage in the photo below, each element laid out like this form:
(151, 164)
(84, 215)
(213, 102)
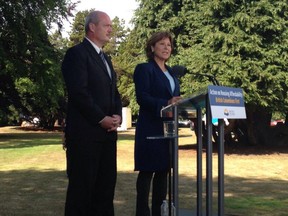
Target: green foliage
(127, 57)
(243, 43)
(119, 35)
(150, 16)
(29, 64)
(78, 28)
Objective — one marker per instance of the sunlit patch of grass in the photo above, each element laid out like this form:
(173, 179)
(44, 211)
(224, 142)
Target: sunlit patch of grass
(260, 205)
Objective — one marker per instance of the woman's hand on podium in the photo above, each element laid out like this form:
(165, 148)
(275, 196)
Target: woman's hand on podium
(174, 100)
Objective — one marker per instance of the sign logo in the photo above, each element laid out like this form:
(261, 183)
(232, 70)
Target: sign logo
(226, 102)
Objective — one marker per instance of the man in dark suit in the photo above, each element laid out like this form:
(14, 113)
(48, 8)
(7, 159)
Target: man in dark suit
(93, 115)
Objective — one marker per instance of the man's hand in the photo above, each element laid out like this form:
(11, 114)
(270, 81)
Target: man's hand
(111, 123)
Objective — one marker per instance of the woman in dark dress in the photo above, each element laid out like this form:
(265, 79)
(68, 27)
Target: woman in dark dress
(156, 87)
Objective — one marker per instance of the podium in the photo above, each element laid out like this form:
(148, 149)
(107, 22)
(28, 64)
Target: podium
(192, 107)
(223, 102)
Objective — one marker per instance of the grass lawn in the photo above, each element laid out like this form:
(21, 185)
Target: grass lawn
(33, 180)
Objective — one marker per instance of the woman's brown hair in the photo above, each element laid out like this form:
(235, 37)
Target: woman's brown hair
(157, 36)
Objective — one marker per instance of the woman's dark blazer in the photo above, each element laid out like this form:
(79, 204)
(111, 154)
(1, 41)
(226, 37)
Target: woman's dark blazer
(152, 92)
(92, 95)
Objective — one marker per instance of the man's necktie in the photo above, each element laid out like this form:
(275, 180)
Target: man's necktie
(105, 62)
(102, 57)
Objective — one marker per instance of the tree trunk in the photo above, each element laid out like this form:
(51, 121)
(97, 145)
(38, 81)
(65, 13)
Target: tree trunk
(258, 125)
(47, 122)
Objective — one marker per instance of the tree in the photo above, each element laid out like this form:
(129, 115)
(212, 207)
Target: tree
(242, 43)
(78, 29)
(128, 56)
(29, 65)
(150, 16)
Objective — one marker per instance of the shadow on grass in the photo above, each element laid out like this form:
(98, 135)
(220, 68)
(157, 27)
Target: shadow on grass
(24, 140)
(32, 139)
(125, 136)
(34, 193)
(242, 150)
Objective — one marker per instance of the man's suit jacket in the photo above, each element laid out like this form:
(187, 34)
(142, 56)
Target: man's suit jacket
(92, 94)
(153, 92)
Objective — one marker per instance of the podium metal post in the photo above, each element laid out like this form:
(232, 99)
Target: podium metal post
(199, 161)
(221, 167)
(209, 159)
(175, 163)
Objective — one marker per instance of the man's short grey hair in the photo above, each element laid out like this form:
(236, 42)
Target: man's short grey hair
(92, 17)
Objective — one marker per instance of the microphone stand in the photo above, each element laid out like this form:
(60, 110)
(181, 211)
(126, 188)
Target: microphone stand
(210, 77)
(180, 71)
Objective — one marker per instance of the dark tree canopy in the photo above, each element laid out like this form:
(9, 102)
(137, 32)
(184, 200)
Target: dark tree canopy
(29, 72)
(242, 43)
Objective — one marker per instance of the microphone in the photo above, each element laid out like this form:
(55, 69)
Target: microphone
(179, 70)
